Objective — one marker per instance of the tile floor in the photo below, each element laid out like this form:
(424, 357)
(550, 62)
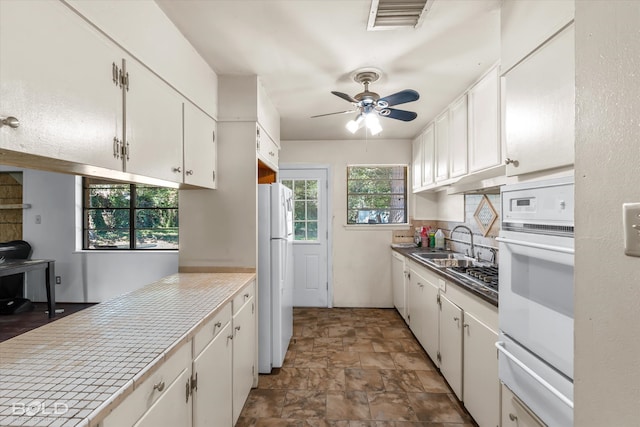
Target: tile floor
(353, 368)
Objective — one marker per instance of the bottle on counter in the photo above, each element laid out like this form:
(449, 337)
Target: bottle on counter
(439, 239)
(432, 239)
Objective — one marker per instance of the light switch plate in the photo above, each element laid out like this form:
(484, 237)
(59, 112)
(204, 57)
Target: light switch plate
(631, 226)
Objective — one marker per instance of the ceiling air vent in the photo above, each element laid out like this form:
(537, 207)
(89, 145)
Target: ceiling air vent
(396, 14)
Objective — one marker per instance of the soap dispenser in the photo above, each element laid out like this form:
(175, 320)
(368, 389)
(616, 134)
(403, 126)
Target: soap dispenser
(439, 239)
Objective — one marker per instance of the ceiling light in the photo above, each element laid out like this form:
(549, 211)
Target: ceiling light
(354, 125)
(373, 124)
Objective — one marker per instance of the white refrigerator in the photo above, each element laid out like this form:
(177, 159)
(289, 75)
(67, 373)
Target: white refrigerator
(275, 274)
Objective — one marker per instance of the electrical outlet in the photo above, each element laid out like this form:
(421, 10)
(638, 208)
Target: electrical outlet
(58, 280)
(631, 227)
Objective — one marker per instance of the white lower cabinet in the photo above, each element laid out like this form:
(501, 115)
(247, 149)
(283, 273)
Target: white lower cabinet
(203, 383)
(422, 303)
(398, 275)
(212, 372)
(515, 413)
(481, 386)
(451, 344)
(157, 396)
(244, 348)
(173, 408)
(458, 331)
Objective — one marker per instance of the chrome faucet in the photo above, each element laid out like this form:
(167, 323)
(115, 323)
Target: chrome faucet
(471, 249)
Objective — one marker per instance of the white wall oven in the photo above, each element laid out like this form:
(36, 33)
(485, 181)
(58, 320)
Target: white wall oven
(536, 296)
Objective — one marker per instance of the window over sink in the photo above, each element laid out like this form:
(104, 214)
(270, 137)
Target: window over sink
(377, 194)
(119, 215)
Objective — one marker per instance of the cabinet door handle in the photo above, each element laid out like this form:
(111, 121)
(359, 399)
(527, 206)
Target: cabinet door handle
(457, 320)
(177, 170)
(515, 163)
(237, 328)
(159, 386)
(513, 418)
(217, 325)
(189, 172)
(246, 296)
(10, 121)
(114, 73)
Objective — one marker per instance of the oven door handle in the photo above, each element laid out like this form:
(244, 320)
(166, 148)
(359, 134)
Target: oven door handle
(535, 245)
(538, 378)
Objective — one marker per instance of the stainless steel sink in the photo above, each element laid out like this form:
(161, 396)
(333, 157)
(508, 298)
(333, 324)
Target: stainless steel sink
(444, 259)
(437, 255)
(451, 262)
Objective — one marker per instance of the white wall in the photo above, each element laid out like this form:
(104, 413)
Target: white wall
(607, 284)
(361, 256)
(85, 276)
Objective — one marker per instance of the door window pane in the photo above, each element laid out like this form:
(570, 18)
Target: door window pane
(305, 208)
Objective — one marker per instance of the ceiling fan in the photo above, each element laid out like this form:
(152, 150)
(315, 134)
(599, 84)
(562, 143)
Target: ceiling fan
(369, 105)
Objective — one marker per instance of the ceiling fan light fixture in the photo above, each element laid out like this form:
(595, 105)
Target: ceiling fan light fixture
(353, 125)
(373, 124)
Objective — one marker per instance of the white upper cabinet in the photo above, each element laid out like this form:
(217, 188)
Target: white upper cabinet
(67, 101)
(84, 104)
(423, 161)
(428, 156)
(526, 24)
(485, 149)
(442, 147)
(458, 137)
(266, 148)
(540, 108)
(177, 62)
(416, 162)
(153, 142)
(200, 148)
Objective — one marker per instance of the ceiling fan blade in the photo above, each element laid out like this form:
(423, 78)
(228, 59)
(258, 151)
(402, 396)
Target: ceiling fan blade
(407, 95)
(344, 96)
(331, 114)
(404, 115)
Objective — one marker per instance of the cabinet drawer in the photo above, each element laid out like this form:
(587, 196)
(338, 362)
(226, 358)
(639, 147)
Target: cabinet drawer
(211, 329)
(245, 295)
(149, 390)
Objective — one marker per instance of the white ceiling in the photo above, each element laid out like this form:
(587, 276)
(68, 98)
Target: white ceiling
(304, 49)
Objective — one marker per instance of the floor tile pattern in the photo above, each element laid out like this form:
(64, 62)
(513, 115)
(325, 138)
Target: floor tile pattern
(353, 368)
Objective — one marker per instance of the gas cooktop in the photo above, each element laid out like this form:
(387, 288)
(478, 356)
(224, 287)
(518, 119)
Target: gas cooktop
(484, 276)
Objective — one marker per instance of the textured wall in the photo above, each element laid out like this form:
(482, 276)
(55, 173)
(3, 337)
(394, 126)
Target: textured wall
(607, 287)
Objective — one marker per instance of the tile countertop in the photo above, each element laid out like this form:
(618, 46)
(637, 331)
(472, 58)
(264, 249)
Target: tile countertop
(74, 371)
(407, 251)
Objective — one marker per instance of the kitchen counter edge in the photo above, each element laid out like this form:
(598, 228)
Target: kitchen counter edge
(220, 287)
(406, 252)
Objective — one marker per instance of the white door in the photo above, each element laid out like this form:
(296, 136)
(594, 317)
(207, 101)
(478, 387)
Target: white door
(310, 244)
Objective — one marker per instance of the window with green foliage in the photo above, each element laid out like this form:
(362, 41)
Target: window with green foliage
(129, 216)
(376, 194)
(305, 208)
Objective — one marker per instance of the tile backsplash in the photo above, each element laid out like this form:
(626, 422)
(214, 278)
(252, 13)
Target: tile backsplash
(459, 242)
